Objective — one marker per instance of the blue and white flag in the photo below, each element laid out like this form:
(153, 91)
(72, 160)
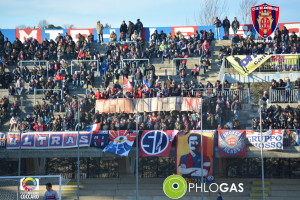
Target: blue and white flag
(120, 142)
(146, 85)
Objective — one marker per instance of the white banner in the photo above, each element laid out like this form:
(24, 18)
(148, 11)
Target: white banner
(272, 139)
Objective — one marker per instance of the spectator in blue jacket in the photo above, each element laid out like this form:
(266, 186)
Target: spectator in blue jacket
(288, 87)
(218, 25)
(139, 27)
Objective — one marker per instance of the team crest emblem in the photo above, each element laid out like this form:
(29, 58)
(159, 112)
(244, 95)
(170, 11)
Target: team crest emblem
(265, 19)
(231, 141)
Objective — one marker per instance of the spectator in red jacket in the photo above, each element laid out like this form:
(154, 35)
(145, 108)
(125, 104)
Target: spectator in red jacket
(98, 94)
(184, 61)
(138, 94)
(39, 127)
(59, 78)
(81, 55)
(205, 44)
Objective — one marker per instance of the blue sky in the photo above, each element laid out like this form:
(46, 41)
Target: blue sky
(85, 13)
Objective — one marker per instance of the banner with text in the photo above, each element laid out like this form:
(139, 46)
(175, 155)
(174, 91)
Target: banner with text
(272, 139)
(232, 143)
(188, 156)
(246, 64)
(284, 63)
(48, 140)
(41, 34)
(148, 105)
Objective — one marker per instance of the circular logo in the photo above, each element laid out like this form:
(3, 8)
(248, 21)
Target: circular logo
(26, 186)
(154, 142)
(175, 186)
(232, 142)
(210, 178)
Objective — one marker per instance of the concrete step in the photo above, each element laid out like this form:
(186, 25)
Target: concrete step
(223, 42)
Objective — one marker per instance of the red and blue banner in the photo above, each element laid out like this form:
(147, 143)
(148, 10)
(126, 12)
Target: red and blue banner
(294, 137)
(23, 34)
(155, 143)
(100, 139)
(51, 34)
(120, 142)
(48, 140)
(232, 143)
(41, 34)
(184, 30)
(265, 19)
(291, 27)
(2, 139)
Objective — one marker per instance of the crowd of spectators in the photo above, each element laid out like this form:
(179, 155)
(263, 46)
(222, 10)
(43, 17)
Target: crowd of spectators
(283, 42)
(282, 90)
(219, 110)
(276, 117)
(64, 47)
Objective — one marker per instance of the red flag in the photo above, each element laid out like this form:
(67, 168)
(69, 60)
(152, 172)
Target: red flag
(127, 85)
(107, 89)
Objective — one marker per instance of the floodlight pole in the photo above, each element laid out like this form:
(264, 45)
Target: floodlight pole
(262, 157)
(137, 158)
(20, 151)
(19, 164)
(202, 182)
(78, 160)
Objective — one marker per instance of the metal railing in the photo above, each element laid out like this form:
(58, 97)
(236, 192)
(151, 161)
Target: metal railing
(135, 60)
(123, 42)
(282, 95)
(174, 60)
(78, 61)
(36, 90)
(279, 63)
(242, 94)
(267, 41)
(93, 89)
(37, 61)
